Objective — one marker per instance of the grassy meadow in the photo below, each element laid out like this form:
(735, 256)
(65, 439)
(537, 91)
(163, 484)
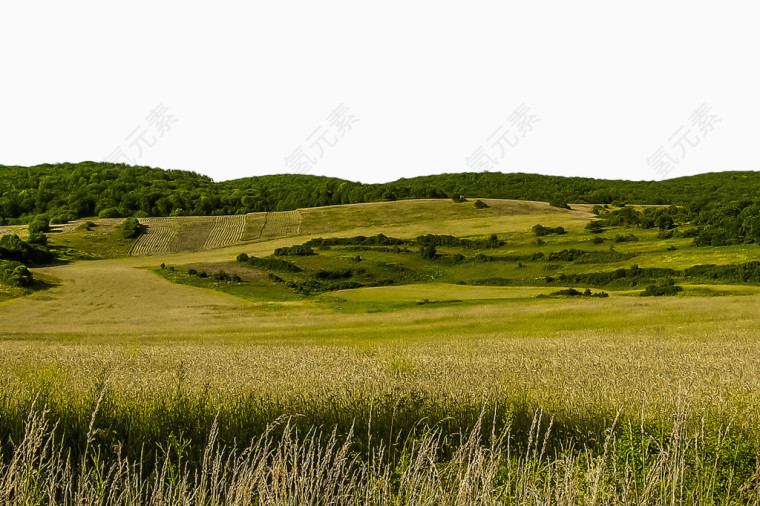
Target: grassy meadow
(127, 382)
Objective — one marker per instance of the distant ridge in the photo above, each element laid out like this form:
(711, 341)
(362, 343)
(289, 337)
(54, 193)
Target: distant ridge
(73, 190)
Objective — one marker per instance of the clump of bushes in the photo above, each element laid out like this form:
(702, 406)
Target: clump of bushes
(479, 204)
(595, 227)
(270, 264)
(572, 292)
(15, 274)
(626, 238)
(294, 251)
(666, 287)
(541, 231)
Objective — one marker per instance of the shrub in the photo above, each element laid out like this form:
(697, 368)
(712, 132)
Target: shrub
(560, 204)
(14, 274)
(110, 212)
(428, 252)
(37, 238)
(479, 204)
(273, 264)
(595, 227)
(131, 228)
(242, 258)
(541, 231)
(39, 225)
(667, 287)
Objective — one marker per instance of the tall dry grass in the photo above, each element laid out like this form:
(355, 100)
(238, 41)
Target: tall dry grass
(284, 466)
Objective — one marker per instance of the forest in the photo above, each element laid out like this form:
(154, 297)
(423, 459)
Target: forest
(723, 207)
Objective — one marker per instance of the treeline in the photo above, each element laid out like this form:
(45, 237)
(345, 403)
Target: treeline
(748, 272)
(66, 191)
(713, 224)
(423, 240)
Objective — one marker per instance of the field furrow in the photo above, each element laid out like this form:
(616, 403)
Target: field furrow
(282, 224)
(225, 231)
(160, 237)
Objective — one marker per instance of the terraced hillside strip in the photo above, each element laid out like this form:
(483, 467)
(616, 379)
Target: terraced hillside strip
(19, 230)
(160, 237)
(282, 224)
(225, 231)
(409, 218)
(189, 233)
(254, 226)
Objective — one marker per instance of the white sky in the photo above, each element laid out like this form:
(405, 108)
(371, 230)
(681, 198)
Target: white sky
(606, 84)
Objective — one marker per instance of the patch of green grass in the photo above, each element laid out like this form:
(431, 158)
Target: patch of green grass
(90, 244)
(258, 292)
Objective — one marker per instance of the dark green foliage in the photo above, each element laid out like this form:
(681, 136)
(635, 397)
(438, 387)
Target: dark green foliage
(447, 240)
(243, 257)
(572, 292)
(562, 204)
(13, 248)
(428, 252)
(626, 238)
(14, 274)
(541, 231)
(666, 287)
(40, 224)
(131, 228)
(479, 204)
(336, 274)
(664, 222)
(294, 251)
(597, 240)
(37, 229)
(37, 238)
(725, 205)
(359, 240)
(270, 264)
(595, 227)
(735, 273)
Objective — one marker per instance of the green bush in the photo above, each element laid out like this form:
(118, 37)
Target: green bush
(479, 204)
(14, 274)
(667, 287)
(39, 225)
(541, 231)
(131, 228)
(110, 212)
